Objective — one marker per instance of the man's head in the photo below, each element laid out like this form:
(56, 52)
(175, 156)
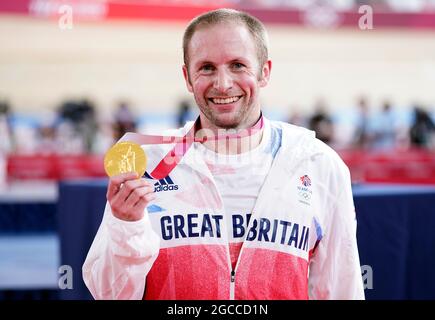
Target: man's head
(211, 18)
(226, 62)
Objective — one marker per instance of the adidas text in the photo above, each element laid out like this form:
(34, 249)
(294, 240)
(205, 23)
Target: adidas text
(166, 188)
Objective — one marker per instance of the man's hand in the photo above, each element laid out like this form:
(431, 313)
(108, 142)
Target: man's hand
(128, 196)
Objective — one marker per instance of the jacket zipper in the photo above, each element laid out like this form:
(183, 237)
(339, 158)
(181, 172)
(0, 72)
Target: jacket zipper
(232, 284)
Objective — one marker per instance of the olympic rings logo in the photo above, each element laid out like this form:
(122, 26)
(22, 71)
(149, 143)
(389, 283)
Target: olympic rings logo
(305, 195)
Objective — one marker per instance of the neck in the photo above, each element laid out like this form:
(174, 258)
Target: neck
(235, 145)
(238, 140)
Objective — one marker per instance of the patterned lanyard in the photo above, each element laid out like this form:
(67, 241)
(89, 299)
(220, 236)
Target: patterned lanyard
(182, 144)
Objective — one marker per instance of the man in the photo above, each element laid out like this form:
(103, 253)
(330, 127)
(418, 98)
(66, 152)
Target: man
(264, 215)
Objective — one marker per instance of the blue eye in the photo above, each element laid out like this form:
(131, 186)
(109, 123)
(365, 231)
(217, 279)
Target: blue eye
(238, 65)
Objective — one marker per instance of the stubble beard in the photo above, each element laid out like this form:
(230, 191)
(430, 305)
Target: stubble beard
(239, 117)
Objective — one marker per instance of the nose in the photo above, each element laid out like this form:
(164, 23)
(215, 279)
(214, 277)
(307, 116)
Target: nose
(223, 81)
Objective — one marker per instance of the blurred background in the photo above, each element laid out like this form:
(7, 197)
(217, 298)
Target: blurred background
(76, 75)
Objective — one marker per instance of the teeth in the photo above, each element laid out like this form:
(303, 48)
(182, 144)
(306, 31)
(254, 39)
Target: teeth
(226, 100)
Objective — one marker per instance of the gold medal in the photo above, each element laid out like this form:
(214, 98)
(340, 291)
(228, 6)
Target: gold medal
(125, 157)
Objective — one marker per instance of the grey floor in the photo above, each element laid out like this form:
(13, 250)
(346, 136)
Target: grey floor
(29, 261)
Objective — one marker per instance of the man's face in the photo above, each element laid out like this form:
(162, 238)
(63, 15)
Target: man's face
(224, 76)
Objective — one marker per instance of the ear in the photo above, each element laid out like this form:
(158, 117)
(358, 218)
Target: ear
(265, 73)
(186, 78)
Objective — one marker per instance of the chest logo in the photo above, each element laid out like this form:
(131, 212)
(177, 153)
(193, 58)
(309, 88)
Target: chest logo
(165, 184)
(304, 191)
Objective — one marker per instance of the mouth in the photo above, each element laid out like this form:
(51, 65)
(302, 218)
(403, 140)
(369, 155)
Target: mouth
(224, 100)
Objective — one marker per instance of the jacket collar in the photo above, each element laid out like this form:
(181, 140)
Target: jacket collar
(297, 144)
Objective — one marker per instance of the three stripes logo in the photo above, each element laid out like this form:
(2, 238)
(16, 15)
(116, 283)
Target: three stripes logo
(165, 184)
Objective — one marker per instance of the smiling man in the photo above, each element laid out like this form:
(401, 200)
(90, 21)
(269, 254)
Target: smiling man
(267, 214)
(226, 83)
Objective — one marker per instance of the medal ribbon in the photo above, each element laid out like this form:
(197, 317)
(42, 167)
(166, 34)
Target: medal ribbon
(182, 144)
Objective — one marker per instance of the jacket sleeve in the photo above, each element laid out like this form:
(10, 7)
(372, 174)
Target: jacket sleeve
(120, 257)
(335, 271)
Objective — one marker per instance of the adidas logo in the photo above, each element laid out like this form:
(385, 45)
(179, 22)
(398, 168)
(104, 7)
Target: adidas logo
(165, 184)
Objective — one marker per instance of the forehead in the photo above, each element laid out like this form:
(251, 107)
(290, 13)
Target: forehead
(221, 42)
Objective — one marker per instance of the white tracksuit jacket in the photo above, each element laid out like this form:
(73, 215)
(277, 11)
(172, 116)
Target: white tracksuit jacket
(299, 241)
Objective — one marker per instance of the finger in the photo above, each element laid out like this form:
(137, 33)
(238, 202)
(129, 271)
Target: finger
(144, 201)
(136, 195)
(116, 181)
(130, 186)
(131, 212)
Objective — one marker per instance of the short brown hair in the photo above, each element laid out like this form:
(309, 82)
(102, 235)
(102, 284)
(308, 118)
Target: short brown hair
(254, 26)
